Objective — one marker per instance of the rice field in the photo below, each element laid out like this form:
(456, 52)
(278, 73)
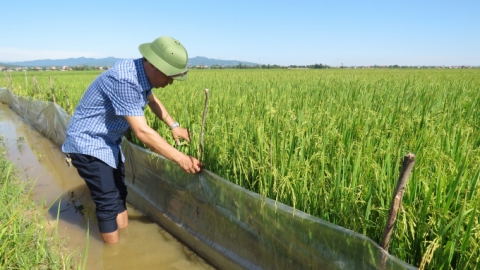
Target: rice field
(330, 143)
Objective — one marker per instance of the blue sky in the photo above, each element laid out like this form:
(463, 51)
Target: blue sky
(265, 32)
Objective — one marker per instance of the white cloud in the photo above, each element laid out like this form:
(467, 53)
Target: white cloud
(18, 55)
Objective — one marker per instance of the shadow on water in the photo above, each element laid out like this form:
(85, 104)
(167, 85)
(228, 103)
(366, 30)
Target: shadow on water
(143, 245)
(76, 208)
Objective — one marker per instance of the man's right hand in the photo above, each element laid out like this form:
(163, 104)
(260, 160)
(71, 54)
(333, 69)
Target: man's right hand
(190, 164)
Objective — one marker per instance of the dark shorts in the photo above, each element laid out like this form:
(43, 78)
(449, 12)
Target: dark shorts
(107, 187)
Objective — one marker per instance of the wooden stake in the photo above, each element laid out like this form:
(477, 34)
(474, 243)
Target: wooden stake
(407, 166)
(203, 124)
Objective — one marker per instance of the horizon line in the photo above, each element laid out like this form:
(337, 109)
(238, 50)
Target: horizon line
(19, 63)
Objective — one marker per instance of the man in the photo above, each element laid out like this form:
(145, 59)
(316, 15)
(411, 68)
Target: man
(112, 103)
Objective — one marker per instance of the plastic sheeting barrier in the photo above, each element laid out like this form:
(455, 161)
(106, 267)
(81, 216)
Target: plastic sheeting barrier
(47, 117)
(231, 227)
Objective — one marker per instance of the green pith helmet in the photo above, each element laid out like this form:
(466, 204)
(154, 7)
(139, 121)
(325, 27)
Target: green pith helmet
(168, 55)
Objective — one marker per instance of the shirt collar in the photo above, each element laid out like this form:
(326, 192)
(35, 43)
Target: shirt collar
(142, 77)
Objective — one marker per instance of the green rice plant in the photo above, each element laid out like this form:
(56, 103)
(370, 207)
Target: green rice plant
(330, 143)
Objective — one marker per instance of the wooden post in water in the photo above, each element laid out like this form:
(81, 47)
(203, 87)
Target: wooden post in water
(407, 166)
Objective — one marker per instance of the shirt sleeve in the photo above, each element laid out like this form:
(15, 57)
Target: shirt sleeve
(126, 98)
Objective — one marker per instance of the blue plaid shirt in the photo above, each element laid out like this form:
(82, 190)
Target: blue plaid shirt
(98, 123)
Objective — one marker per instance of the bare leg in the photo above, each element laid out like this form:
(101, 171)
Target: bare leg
(110, 238)
(122, 220)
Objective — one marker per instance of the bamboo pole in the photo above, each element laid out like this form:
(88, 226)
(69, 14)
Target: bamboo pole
(407, 166)
(203, 125)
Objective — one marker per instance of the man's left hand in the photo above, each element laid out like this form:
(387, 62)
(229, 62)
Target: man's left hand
(178, 133)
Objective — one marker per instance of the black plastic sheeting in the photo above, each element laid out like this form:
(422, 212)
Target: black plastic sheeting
(229, 226)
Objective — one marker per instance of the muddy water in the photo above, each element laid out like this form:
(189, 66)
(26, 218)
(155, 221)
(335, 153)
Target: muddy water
(143, 245)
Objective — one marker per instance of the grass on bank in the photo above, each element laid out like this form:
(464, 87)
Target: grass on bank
(27, 240)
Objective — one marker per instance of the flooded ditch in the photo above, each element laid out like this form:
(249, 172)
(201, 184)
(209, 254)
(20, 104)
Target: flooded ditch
(143, 245)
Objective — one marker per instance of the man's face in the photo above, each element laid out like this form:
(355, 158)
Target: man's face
(156, 78)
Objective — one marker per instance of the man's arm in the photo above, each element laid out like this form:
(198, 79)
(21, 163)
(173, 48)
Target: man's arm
(161, 112)
(157, 144)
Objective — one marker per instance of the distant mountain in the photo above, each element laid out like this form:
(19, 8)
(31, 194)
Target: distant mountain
(204, 61)
(110, 61)
(7, 65)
